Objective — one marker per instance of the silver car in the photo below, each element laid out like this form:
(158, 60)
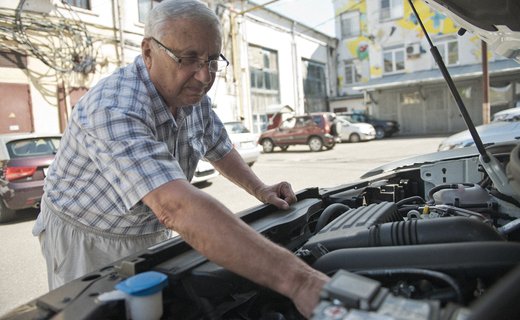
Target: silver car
(494, 132)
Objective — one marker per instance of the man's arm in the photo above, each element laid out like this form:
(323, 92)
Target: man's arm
(210, 228)
(233, 167)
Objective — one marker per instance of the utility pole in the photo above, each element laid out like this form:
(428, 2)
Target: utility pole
(486, 113)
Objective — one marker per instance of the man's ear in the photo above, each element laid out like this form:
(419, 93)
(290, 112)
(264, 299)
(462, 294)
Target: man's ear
(146, 51)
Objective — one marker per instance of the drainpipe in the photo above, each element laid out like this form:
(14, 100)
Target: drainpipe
(237, 74)
(485, 83)
(118, 31)
(296, 65)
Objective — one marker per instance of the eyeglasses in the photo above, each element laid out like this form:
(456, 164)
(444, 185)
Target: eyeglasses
(195, 64)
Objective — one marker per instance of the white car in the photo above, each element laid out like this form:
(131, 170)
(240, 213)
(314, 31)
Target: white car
(204, 172)
(354, 131)
(245, 142)
(494, 132)
(506, 115)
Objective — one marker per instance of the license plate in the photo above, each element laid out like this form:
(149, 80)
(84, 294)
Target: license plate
(45, 170)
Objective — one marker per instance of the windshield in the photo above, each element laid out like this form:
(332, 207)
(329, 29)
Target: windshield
(33, 147)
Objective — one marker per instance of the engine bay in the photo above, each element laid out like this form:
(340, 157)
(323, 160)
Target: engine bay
(434, 248)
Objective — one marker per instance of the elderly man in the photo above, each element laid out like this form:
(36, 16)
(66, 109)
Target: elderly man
(120, 180)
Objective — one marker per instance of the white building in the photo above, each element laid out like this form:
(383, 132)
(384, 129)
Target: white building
(51, 53)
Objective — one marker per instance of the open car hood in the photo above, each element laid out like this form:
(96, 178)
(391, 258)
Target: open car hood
(497, 22)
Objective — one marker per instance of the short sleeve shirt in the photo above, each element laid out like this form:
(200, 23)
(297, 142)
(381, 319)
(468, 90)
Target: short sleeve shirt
(122, 142)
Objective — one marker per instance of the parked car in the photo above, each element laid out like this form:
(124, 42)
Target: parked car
(384, 128)
(326, 121)
(297, 131)
(204, 172)
(24, 160)
(506, 115)
(494, 132)
(430, 237)
(245, 142)
(354, 131)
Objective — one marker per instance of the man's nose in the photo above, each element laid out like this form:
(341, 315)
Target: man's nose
(203, 74)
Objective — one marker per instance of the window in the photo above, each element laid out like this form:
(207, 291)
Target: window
(33, 147)
(350, 24)
(351, 74)
(393, 60)
(314, 79)
(144, 6)
(263, 68)
(391, 9)
(449, 50)
(85, 4)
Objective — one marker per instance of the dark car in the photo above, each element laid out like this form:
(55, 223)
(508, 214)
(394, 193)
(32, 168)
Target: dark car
(24, 159)
(294, 131)
(384, 128)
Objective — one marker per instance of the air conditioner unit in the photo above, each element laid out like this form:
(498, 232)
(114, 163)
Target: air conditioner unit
(413, 49)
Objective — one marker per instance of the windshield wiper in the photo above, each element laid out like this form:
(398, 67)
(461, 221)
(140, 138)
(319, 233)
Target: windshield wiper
(492, 166)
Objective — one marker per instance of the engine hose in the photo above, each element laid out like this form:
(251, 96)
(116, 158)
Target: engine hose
(329, 212)
(446, 186)
(410, 200)
(509, 227)
(421, 272)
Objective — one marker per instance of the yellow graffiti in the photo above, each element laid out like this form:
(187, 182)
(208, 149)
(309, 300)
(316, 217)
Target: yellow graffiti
(376, 71)
(434, 22)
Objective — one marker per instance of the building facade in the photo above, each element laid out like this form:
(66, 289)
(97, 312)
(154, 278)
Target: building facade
(52, 52)
(385, 67)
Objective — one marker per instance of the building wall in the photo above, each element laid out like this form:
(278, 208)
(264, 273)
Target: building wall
(100, 37)
(292, 47)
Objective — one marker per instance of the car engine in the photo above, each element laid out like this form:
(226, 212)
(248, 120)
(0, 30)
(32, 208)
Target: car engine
(424, 240)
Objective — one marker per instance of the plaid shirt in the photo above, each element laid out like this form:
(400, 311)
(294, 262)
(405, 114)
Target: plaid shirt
(121, 143)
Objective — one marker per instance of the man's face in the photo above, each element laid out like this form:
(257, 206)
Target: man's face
(179, 85)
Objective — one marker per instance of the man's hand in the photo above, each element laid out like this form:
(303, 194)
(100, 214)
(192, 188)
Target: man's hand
(307, 296)
(280, 195)
(233, 167)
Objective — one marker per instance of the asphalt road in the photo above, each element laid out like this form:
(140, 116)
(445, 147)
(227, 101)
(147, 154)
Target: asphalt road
(22, 268)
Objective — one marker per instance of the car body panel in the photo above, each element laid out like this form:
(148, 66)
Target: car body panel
(494, 21)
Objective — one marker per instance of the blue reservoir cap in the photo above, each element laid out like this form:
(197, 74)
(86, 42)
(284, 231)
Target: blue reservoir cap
(143, 284)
